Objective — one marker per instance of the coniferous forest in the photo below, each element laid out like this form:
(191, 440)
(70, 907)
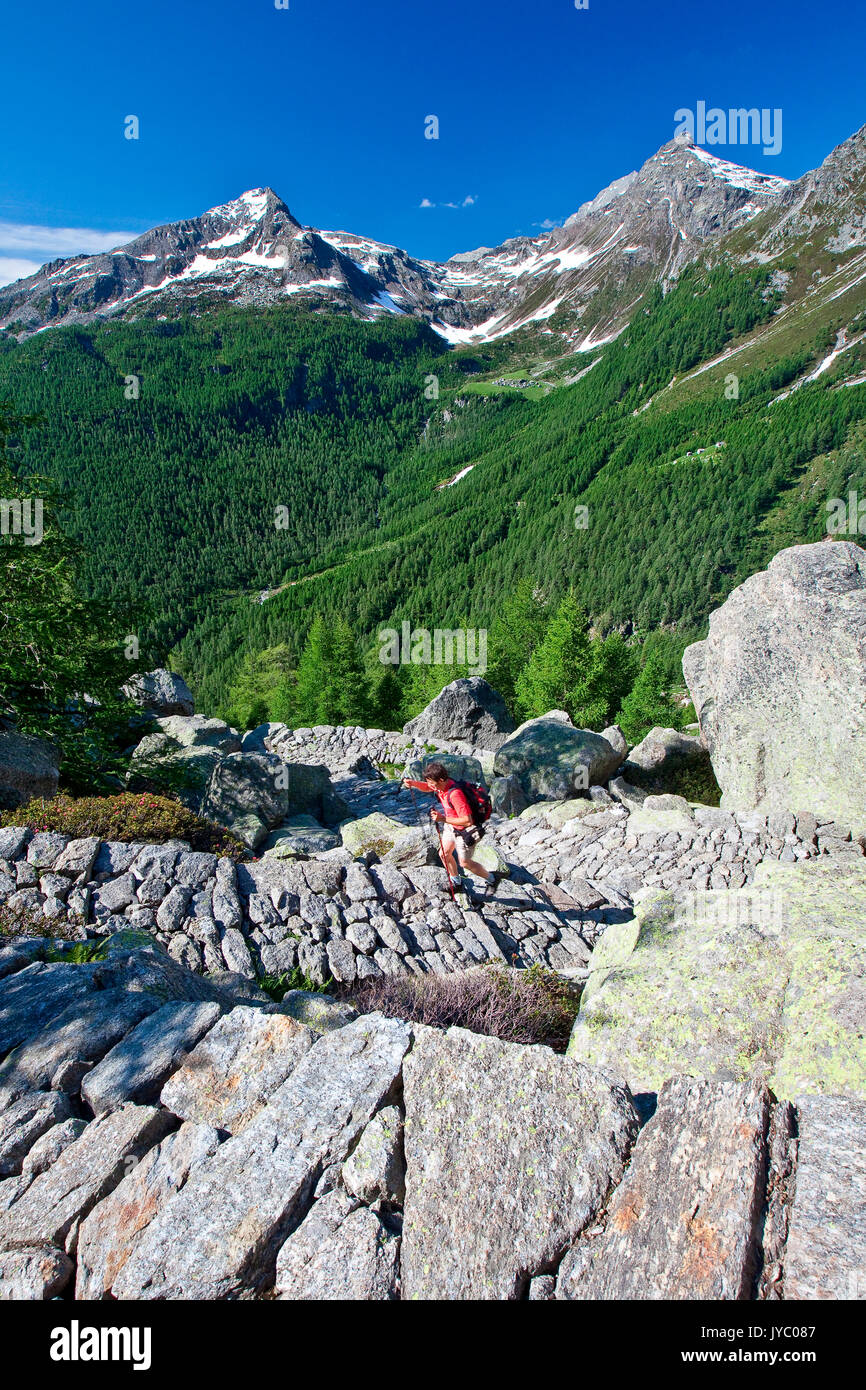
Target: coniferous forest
(262, 491)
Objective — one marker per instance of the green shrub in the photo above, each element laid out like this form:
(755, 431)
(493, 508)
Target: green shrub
(126, 817)
(278, 986)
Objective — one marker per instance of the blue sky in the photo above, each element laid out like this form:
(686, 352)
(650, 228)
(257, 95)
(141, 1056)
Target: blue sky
(540, 105)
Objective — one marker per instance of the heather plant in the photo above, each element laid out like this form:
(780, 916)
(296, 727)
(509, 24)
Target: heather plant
(520, 1006)
(126, 817)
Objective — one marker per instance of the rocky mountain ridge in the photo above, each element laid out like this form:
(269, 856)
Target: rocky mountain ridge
(641, 229)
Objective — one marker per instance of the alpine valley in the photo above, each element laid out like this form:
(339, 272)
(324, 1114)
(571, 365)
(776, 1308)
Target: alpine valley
(252, 421)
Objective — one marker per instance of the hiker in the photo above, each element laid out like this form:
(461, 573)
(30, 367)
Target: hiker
(460, 829)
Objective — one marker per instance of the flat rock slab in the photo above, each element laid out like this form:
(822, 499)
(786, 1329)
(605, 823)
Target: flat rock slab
(34, 1274)
(68, 1047)
(376, 1168)
(684, 1222)
(24, 1122)
(761, 984)
(510, 1152)
(220, 1235)
(54, 1205)
(826, 1251)
(33, 996)
(137, 1068)
(235, 1069)
(340, 1252)
(113, 1229)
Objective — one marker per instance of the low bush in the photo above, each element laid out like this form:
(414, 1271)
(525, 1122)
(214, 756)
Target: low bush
(30, 921)
(278, 986)
(126, 817)
(522, 1006)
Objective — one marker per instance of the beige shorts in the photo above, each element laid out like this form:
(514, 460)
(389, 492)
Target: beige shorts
(460, 841)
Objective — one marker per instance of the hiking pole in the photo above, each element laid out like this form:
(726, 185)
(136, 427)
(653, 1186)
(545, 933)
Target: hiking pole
(441, 847)
(444, 862)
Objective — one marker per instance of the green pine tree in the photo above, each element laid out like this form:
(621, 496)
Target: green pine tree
(648, 704)
(566, 671)
(514, 636)
(308, 697)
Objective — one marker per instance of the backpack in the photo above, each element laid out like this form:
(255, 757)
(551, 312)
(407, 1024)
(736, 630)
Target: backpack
(480, 805)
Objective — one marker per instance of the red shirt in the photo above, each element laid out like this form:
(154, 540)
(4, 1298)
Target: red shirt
(452, 799)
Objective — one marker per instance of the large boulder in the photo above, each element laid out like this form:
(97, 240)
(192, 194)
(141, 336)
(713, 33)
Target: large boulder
(161, 692)
(298, 838)
(780, 686)
(685, 1221)
(507, 795)
(761, 984)
(220, 1235)
(468, 710)
(183, 770)
(553, 760)
(379, 834)
(248, 795)
(510, 1153)
(462, 767)
(29, 767)
(252, 793)
(667, 760)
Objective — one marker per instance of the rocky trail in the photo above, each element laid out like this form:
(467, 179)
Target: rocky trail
(168, 1131)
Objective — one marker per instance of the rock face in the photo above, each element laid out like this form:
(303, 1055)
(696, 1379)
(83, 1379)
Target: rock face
(34, 1273)
(553, 760)
(342, 1251)
(764, 984)
(113, 1230)
(684, 1222)
(510, 1154)
(469, 710)
(53, 1207)
(222, 1231)
(29, 767)
(136, 1068)
(234, 1070)
(508, 1171)
(827, 1231)
(161, 692)
(780, 685)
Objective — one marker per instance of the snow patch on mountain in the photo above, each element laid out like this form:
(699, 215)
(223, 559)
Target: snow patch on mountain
(739, 176)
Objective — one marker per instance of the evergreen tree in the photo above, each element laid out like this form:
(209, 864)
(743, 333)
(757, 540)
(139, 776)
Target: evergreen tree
(308, 696)
(347, 681)
(387, 700)
(330, 686)
(649, 705)
(566, 670)
(516, 632)
(63, 657)
(254, 697)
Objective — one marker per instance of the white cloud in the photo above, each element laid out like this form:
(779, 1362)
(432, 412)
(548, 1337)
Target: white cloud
(59, 241)
(547, 225)
(12, 268)
(467, 203)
